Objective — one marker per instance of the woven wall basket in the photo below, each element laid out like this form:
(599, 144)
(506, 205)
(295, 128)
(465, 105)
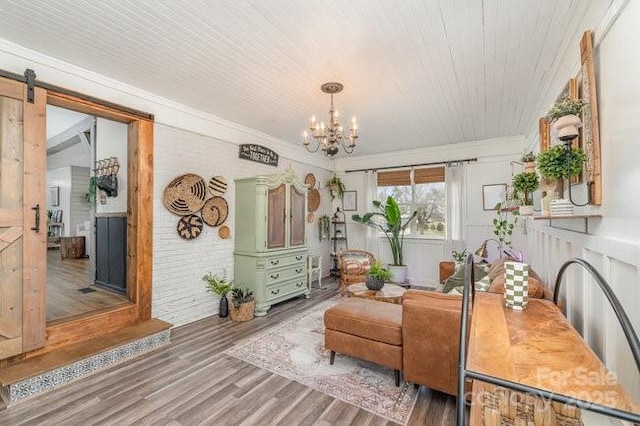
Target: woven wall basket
(185, 194)
(242, 313)
(215, 211)
(189, 227)
(314, 200)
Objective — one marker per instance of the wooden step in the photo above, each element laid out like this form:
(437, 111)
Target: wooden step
(35, 375)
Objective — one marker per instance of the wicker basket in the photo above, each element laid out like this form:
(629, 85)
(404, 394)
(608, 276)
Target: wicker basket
(242, 313)
(507, 407)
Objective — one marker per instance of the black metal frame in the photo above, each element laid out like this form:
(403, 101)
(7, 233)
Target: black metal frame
(464, 374)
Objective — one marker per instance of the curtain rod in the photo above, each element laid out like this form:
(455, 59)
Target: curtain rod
(436, 163)
(47, 86)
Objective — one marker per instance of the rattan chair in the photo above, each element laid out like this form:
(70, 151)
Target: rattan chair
(354, 265)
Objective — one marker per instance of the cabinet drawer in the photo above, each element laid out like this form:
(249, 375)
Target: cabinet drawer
(284, 289)
(286, 260)
(275, 277)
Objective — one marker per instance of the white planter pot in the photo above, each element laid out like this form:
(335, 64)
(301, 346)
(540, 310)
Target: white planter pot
(567, 126)
(398, 273)
(525, 210)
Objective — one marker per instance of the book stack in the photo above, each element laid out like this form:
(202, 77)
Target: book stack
(560, 207)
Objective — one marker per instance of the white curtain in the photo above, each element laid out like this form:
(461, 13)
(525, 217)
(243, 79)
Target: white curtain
(370, 194)
(454, 177)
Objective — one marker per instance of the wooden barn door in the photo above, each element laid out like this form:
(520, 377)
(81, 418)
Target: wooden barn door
(22, 200)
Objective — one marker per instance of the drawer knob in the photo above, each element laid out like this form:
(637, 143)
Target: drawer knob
(298, 257)
(299, 284)
(298, 270)
(275, 262)
(275, 276)
(275, 291)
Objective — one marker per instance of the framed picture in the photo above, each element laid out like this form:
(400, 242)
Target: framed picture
(492, 195)
(55, 196)
(350, 201)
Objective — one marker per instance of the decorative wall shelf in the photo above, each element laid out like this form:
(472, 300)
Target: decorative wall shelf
(584, 217)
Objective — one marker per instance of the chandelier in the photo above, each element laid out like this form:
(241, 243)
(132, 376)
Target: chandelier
(330, 137)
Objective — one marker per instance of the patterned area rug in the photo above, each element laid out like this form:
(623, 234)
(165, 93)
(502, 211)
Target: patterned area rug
(295, 350)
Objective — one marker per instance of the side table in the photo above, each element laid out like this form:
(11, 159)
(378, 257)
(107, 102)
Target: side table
(390, 293)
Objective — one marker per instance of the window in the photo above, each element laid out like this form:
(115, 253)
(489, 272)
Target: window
(421, 190)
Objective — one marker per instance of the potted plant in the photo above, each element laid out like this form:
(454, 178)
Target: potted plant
(524, 184)
(376, 276)
(220, 286)
(529, 161)
(336, 187)
(459, 257)
(92, 191)
(243, 304)
(503, 227)
(553, 164)
(388, 219)
(565, 116)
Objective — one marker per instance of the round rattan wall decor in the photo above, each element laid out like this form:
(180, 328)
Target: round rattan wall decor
(218, 186)
(224, 232)
(215, 211)
(190, 226)
(314, 200)
(310, 180)
(185, 194)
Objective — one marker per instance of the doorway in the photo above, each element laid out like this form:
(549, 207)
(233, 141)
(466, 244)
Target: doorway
(85, 272)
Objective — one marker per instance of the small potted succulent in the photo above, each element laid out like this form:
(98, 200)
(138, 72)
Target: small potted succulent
(565, 116)
(376, 276)
(221, 286)
(529, 161)
(243, 304)
(524, 184)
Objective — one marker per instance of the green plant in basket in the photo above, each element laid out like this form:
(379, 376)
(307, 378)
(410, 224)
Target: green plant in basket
(553, 163)
(240, 296)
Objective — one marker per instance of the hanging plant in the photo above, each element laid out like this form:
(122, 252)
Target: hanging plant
(336, 187)
(524, 184)
(91, 194)
(553, 164)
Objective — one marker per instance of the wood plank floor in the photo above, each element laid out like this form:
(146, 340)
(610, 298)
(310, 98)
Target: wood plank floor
(64, 279)
(192, 382)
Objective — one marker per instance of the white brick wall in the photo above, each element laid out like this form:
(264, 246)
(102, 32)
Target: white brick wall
(179, 294)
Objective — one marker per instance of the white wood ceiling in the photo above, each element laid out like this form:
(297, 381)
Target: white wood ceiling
(416, 73)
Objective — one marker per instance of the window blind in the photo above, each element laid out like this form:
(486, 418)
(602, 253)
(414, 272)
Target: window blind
(394, 178)
(428, 175)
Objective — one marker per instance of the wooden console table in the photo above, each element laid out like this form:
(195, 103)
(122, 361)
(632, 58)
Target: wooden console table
(537, 350)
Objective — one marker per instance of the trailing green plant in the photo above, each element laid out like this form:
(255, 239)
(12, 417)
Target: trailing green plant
(525, 183)
(92, 192)
(336, 187)
(240, 296)
(529, 157)
(388, 219)
(218, 284)
(379, 272)
(460, 256)
(503, 226)
(552, 163)
(565, 106)
(324, 223)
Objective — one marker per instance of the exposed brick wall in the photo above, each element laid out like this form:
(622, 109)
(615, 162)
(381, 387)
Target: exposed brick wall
(179, 294)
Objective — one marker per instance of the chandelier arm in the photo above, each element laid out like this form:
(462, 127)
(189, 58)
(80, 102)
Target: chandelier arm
(314, 150)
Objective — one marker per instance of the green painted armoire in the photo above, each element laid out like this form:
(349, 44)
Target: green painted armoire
(270, 239)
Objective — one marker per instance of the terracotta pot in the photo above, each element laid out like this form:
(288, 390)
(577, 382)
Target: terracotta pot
(567, 126)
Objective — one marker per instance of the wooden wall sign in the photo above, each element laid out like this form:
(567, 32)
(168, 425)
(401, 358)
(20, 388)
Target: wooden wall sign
(258, 154)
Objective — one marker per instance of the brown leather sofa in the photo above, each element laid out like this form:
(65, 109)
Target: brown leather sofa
(431, 333)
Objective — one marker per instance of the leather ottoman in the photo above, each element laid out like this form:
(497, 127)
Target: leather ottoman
(366, 329)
